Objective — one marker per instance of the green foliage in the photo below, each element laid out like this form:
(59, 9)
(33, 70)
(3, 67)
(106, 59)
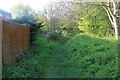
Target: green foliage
(88, 57)
(55, 35)
(35, 64)
(34, 29)
(63, 54)
(80, 57)
(21, 10)
(95, 21)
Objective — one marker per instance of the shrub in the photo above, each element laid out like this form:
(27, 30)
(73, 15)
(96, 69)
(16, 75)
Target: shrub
(54, 35)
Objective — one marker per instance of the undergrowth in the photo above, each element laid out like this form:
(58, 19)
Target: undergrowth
(80, 57)
(88, 57)
(34, 64)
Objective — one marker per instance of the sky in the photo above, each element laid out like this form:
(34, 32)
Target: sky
(35, 4)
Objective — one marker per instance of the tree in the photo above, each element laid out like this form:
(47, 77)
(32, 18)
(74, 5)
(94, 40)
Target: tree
(113, 11)
(20, 10)
(61, 15)
(92, 19)
(25, 15)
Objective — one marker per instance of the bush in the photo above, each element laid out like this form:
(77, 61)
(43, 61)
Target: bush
(54, 35)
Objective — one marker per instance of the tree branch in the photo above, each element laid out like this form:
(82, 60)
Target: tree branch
(110, 18)
(110, 11)
(114, 6)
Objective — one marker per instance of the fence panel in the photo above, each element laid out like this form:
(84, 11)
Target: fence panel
(14, 39)
(6, 38)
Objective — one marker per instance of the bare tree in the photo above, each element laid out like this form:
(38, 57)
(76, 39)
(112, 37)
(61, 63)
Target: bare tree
(62, 10)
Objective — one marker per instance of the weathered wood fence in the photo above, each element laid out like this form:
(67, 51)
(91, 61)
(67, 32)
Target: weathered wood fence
(14, 38)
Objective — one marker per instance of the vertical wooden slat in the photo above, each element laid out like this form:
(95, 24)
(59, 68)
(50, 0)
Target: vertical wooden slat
(6, 42)
(0, 49)
(20, 38)
(14, 39)
(0, 41)
(26, 38)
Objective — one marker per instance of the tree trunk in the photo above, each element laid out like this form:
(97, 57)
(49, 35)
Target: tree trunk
(117, 29)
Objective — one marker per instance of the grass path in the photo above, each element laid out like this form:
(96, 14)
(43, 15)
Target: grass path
(56, 63)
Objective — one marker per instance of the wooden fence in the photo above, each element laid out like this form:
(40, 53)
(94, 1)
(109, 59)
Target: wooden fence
(14, 39)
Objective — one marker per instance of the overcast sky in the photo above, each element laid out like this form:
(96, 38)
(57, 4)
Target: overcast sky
(35, 4)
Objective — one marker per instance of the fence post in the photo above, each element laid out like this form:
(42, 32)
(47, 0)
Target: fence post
(0, 49)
